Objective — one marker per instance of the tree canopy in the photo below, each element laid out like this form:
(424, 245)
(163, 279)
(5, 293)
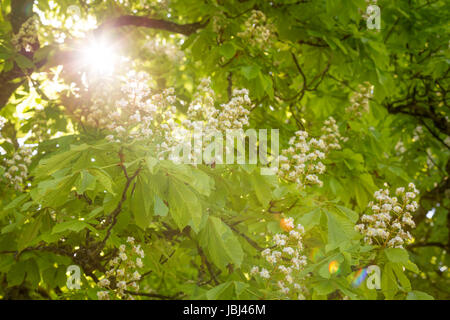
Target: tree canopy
(95, 95)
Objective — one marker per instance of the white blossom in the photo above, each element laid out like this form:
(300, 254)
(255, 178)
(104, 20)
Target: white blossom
(385, 226)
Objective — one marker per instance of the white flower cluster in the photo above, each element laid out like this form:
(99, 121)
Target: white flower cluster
(39, 129)
(258, 31)
(417, 133)
(359, 101)
(123, 275)
(234, 114)
(202, 106)
(26, 38)
(131, 112)
(400, 147)
(2, 124)
(285, 262)
(301, 162)
(16, 170)
(140, 116)
(203, 117)
(231, 115)
(134, 113)
(390, 216)
(331, 135)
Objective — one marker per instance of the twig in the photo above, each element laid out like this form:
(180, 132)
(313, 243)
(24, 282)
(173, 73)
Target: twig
(112, 218)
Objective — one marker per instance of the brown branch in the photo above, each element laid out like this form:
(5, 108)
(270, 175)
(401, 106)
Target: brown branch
(112, 217)
(154, 295)
(411, 107)
(161, 262)
(249, 240)
(230, 85)
(430, 244)
(208, 264)
(7, 88)
(139, 21)
(434, 134)
(297, 65)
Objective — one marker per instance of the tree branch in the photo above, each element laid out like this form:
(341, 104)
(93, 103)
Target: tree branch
(139, 21)
(112, 218)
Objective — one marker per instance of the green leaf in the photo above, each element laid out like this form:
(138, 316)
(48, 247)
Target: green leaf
(227, 50)
(250, 72)
(404, 281)
(220, 243)
(55, 162)
(18, 201)
(388, 282)
(262, 189)
(185, 207)
(73, 225)
(201, 182)
(85, 182)
(54, 193)
(324, 287)
(310, 219)
(141, 204)
(29, 233)
(23, 62)
(32, 272)
(350, 214)
(397, 255)
(418, 295)
(224, 291)
(42, 53)
(340, 229)
(151, 164)
(17, 274)
(104, 179)
(93, 213)
(194, 177)
(160, 207)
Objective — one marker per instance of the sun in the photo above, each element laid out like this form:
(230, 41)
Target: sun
(99, 58)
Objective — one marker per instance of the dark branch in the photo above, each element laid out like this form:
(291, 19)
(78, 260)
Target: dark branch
(137, 21)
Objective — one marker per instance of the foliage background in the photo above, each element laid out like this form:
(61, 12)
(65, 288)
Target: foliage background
(320, 52)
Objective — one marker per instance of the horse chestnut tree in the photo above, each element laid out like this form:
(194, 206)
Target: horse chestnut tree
(98, 98)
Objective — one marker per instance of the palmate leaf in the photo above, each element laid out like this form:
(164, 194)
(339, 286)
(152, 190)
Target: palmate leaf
(141, 204)
(29, 233)
(418, 295)
(309, 69)
(220, 243)
(397, 255)
(192, 176)
(160, 207)
(340, 229)
(388, 282)
(184, 205)
(54, 193)
(262, 188)
(72, 225)
(227, 290)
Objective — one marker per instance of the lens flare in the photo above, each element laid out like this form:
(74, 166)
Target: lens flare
(359, 277)
(314, 254)
(99, 57)
(333, 267)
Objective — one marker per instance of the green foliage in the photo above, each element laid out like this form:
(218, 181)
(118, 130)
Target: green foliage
(203, 227)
